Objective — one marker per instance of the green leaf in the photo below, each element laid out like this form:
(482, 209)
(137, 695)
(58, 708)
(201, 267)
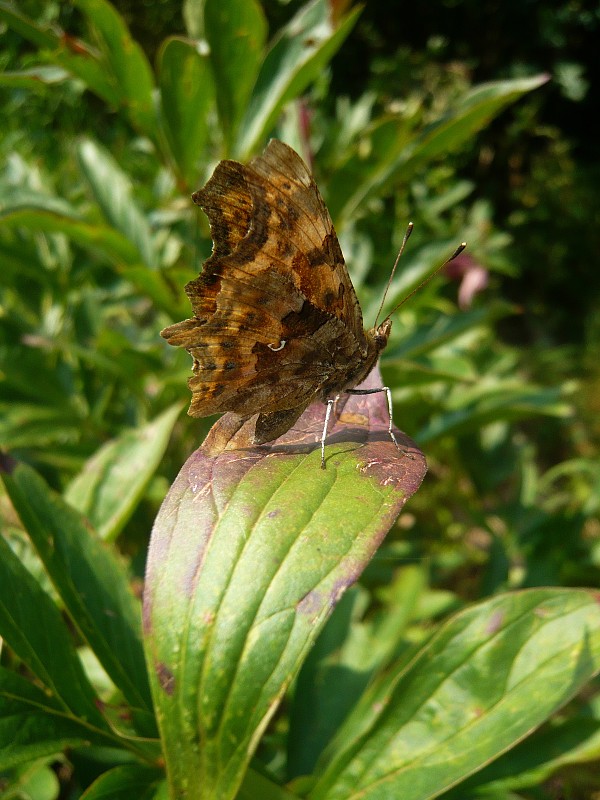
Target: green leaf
(193, 17)
(343, 661)
(90, 580)
(40, 215)
(32, 626)
(34, 78)
(125, 62)
(491, 400)
(114, 194)
(34, 723)
(69, 53)
(36, 780)
(301, 51)
(249, 554)
(572, 740)
(256, 786)
(113, 480)
(481, 684)
(236, 32)
(126, 782)
(25, 27)
(187, 98)
(395, 153)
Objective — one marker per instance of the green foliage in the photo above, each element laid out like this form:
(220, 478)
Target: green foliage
(408, 690)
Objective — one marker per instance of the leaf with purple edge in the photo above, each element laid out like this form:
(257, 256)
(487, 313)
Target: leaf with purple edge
(249, 554)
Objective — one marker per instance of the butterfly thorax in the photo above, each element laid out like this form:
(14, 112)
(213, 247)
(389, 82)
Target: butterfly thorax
(375, 341)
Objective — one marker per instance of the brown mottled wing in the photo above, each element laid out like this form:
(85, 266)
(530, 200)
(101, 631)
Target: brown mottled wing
(258, 344)
(276, 315)
(272, 211)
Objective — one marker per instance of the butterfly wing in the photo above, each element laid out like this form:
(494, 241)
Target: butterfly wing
(257, 344)
(275, 313)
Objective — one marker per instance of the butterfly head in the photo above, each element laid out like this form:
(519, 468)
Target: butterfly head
(381, 333)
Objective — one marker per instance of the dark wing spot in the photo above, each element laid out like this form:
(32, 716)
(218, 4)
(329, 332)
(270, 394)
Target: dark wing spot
(230, 365)
(332, 248)
(328, 299)
(315, 257)
(304, 322)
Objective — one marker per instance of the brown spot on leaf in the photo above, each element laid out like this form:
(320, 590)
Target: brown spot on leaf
(166, 679)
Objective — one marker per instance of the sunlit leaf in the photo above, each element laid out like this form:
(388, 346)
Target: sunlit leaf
(187, 93)
(249, 554)
(236, 33)
(91, 582)
(300, 51)
(487, 678)
(111, 483)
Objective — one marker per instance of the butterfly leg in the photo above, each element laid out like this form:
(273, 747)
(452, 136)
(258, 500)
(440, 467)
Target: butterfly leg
(330, 406)
(388, 395)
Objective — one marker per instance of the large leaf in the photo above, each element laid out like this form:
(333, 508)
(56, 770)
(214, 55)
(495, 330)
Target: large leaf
(90, 580)
(568, 741)
(249, 554)
(113, 480)
(302, 49)
(187, 93)
(346, 656)
(236, 32)
(484, 681)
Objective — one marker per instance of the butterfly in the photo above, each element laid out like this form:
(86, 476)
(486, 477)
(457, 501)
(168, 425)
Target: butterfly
(277, 324)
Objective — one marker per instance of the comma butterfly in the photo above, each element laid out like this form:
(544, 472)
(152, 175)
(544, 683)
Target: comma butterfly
(277, 324)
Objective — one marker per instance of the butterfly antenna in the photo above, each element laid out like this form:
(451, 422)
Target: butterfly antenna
(409, 230)
(424, 282)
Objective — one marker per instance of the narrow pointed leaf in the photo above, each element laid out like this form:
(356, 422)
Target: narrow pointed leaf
(126, 782)
(396, 154)
(113, 480)
(36, 78)
(250, 552)
(187, 98)
(42, 215)
(483, 682)
(236, 32)
(31, 624)
(73, 55)
(25, 27)
(125, 62)
(302, 49)
(34, 723)
(256, 785)
(114, 194)
(90, 580)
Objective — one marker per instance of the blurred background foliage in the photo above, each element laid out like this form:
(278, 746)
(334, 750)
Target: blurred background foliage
(494, 368)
